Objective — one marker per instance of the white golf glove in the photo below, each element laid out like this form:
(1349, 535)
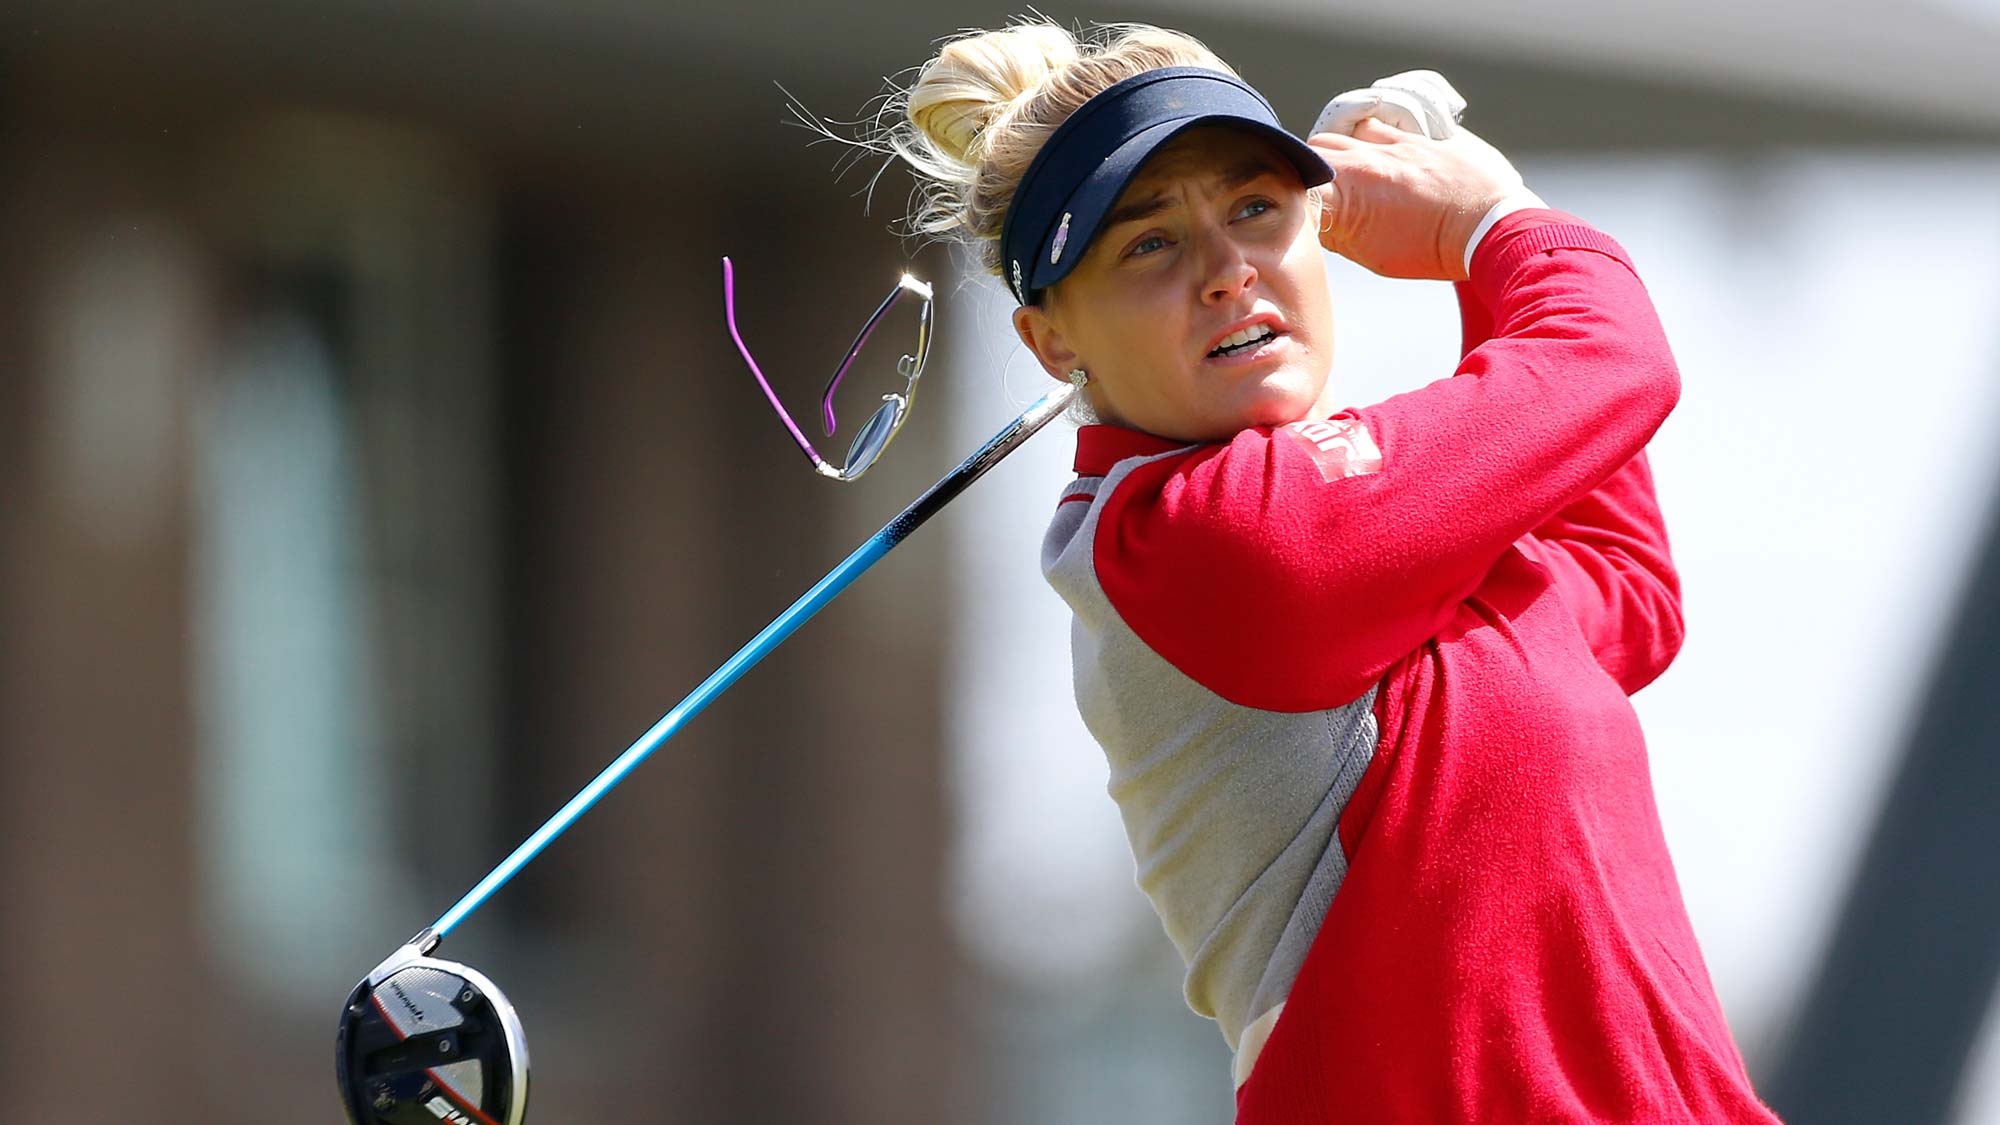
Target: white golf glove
(1416, 101)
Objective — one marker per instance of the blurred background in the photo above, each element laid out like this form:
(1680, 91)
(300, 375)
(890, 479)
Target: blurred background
(374, 466)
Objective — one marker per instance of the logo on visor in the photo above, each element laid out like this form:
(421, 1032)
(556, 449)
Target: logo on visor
(1062, 240)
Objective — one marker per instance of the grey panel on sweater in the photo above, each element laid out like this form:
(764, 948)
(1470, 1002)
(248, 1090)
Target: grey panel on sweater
(1230, 811)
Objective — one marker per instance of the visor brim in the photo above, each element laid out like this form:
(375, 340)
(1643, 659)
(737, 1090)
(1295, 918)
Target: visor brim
(1100, 191)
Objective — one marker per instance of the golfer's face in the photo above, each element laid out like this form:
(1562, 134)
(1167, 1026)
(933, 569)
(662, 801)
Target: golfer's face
(1201, 308)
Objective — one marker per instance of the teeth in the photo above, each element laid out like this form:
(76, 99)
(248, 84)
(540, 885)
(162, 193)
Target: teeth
(1238, 339)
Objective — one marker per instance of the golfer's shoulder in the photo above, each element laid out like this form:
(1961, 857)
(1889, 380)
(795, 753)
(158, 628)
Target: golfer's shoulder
(1107, 457)
(1234, 495)
(1156, 521)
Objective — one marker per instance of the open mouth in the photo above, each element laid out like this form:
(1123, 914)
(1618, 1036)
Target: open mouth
(1248, 339)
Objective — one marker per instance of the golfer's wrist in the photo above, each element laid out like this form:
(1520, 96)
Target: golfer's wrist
(1520, 199)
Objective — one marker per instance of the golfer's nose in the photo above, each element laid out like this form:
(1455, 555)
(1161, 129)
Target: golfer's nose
(1229, 271)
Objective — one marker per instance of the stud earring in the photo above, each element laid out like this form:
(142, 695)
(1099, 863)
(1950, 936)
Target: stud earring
(1079, 377)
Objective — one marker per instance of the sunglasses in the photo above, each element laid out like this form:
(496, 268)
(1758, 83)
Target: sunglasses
(882, 426)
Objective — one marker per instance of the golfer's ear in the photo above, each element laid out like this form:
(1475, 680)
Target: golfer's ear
(1039, 333)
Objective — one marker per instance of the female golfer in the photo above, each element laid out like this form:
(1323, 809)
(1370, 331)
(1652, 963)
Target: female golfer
(1361, 674)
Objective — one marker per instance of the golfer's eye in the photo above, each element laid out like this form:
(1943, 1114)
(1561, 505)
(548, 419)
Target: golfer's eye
(1255, 208)
(1146, 245)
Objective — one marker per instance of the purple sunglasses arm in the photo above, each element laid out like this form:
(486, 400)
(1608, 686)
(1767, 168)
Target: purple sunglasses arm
(729, 310)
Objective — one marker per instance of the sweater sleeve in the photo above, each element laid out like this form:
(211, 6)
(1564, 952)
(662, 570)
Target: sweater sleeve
(1608, 556)
(1290, 567)
(1607, 552)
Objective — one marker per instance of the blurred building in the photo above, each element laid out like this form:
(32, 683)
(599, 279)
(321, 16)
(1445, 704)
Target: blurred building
(374, 466)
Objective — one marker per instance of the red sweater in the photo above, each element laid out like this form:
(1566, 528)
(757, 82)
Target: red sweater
(1509, 941)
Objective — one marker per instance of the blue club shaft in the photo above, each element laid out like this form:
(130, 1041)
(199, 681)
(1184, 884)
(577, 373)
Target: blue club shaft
(774, 634)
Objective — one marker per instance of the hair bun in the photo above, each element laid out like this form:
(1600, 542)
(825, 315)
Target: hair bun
(974, 81)
(979, 111)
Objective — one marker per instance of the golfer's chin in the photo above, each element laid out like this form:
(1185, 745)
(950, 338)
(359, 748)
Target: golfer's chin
(1283, 397)
(1223, 421)
(1278, 398)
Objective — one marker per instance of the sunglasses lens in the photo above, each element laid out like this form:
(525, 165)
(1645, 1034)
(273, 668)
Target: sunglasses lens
(869, 443)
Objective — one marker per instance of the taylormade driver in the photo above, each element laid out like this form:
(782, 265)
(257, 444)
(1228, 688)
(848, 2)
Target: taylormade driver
(423, 1040)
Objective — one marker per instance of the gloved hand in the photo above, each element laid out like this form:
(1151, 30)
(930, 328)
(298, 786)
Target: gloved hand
(1410, 185)
(1416, 101)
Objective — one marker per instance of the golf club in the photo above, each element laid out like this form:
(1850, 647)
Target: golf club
(426, 1040)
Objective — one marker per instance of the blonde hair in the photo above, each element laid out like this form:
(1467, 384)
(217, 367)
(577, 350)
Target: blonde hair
(981, 108)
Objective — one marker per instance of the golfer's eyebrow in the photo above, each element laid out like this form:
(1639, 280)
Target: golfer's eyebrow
(1235, 176)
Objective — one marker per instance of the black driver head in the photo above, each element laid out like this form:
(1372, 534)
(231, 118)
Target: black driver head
(424, 1041)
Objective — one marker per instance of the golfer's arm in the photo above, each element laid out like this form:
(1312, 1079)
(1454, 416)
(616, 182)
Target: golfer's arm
(1608, 555)
(1287, 578)
(1607, 550)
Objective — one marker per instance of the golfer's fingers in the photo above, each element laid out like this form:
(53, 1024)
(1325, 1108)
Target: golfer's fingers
(1344, 112)
(1336, 142)
(1374, 130)
(1339, 150)
(1369, 132)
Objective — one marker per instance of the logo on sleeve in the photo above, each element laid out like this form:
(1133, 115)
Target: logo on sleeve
(1341, 447)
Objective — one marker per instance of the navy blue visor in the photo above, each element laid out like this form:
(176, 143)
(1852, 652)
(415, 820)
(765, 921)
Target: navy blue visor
(1086, 163)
